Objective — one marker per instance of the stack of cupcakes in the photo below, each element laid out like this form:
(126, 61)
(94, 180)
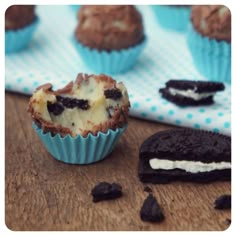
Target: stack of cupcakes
(20, 25)
(109, 38)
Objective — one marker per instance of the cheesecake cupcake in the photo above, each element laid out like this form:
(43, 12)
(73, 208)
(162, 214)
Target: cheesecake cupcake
(82, 122)
(109, 38)
(209, 41)
(20, 25)
(172, 17)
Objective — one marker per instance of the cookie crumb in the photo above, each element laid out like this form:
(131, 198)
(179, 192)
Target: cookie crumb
(223, 202)
(114, 93)
(151, 210)
(106, 191)
(147, 189)
(228, 221)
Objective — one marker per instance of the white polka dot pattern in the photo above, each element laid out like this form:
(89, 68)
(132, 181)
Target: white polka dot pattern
(51, 57)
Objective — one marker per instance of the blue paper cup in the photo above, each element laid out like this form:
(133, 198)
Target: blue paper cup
(171, 17)
(16, 40)
(211, 57)
(80, 150)
(113, 62)
(75, 7)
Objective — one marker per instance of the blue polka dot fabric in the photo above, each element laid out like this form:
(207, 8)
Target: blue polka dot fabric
(52, 58)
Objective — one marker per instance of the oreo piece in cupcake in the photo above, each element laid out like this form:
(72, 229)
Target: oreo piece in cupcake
(209, 41)
(109, 38)
(20, 25)
(185, 155)
(82, 122)
(190, 92)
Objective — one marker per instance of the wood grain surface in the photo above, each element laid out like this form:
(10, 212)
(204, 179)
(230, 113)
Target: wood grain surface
(44, 194)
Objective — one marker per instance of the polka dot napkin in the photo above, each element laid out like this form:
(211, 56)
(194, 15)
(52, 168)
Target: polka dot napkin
(51, 57)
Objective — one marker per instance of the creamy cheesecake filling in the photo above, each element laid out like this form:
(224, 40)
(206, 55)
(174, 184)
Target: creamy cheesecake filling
(99, 108)
(188, 166)
(190, 93)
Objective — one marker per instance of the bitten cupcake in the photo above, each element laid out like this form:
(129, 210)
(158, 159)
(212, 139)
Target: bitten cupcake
(109, 38)
(209, 41)
(82, 122)
(20, 24)
(172, 17)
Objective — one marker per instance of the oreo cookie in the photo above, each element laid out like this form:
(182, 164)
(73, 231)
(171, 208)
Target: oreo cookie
(185, 155)
(151, 210)
(106, 191)
(223, 202)
(191, 93)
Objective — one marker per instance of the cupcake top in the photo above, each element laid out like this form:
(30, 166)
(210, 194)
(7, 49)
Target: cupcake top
(88, 105)
(213, 21)
(109, 27)
(19, 16)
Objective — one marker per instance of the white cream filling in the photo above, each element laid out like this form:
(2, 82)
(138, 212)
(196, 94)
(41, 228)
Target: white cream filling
(190, 93)
(188, 166)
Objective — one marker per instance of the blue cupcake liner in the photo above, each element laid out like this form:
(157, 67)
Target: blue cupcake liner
(211, 57)
(75, 7)
(113, 62)
(16, 40)
(173, 18)
(80, 150)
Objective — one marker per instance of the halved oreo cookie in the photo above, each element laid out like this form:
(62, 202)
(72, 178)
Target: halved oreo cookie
(191, 93)
(185, 155)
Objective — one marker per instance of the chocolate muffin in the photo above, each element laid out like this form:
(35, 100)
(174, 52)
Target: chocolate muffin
(212, 21)
(19, 16)
(109, 27)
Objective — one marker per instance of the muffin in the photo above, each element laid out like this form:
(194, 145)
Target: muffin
(209, 41)
(172, 17)
(20, 24)
(109, 38)
(81, 122)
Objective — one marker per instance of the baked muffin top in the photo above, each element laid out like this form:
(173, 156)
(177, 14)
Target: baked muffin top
(109, 27)
(19, 16)
(88, 105)
(213, 21)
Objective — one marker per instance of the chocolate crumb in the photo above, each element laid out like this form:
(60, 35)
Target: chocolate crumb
(106, 191)
(73, 102)
(114, 93)
(223, 202)
(59, 98)
(147, 189)
(228, 221)
(82, 104)
(55, 108)
(151, 210)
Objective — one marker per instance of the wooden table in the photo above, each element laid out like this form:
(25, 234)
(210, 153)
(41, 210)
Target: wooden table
(45, 194)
